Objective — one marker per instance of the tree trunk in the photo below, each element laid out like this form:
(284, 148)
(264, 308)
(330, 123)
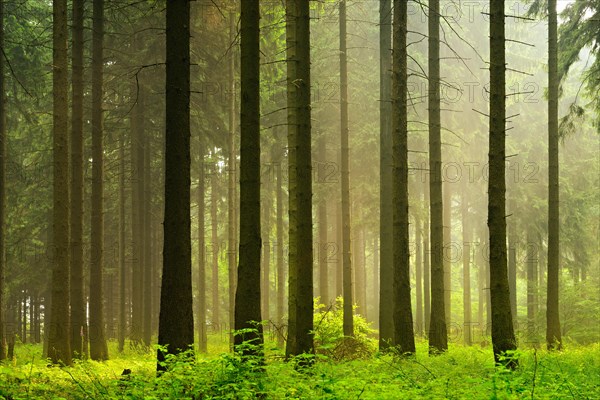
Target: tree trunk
(266, 258)
(300, 338)
(59, 344)
(386, 322)
(280, 266)
(532, 263)
(122, 251)
(201, 319)
(438, 337)
(418, 273)
(348, 323)
(98, 347)
(375, 296)
(553, 334)
(231, 176)
(426, 274)
(2, 184)
(323, 244)
(147, 271)
(176, 320)
(447, 253)
(403, 321)
(503, 336)
(216, 303)
(466, 257)
(248, 292)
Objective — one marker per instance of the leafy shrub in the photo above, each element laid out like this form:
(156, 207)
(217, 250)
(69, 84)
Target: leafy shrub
(329, 334)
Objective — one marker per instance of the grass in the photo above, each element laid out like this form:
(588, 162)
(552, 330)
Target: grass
(461, 373)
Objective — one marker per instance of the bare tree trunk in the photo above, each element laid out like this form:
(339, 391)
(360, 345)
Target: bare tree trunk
(553, 333)
(532, 287)
(403, 321)
(201, 277)
(2, 185)
(438, 337)
(216, 303)
(466, 256)
(386, 322)
(280, 264)
(122, 233)
(503, 336)
(323, 244)
(176, 320)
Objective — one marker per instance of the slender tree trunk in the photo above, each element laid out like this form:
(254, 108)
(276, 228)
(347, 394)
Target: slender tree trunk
(147, 270)
(59, 344)
(553, 333)
(503, 336)
(447, 254)
(248, 293)
(418, 273)
(176, 320)
(98, 347)
(2, 184)
(231, 176)
(360, 273)
(79, 344)
(531, 261)
(216, 303)
(403, 322)
(300, 339)
(386, 322)
(466, 256)
(266, 258)
(323, 244)
(375, 297)
(280, 266)
(348, 323)
(339, 268)
(426, 275)
(201, 319)
(438, 337)
(512, 272)
(122, 234)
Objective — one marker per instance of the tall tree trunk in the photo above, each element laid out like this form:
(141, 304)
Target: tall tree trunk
(214, 239)
(418, 273)
(503, 336)
(201, 278)
(231, 177)
(339, 268)
(98, 347)
(438, 337)
(79, 339)
(426, 274)
(553, 334)
(300, 339)
(122, 251)
(176, 320)
(147, 270)
(59, 335)
(360, 273)
(375, 297)
(323, 244)
(266, 258)
(248, 292)
(280, 266)
(512, 271)
(2, 184)
(466, 256)
(348, 323)
(447, 253)
(403, 322)
(386, 322)
(531, 261)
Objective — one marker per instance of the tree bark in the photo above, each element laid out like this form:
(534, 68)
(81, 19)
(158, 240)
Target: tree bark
(503, 337)
(280, 263)
(59, 334)
(438, 337)
(2, 184)
(176, 321)
(466, 257)
(386, 322)
(553, 333)
(216, 303)
(201, 277)
(323, 244)
(402, 313)
(248, 292)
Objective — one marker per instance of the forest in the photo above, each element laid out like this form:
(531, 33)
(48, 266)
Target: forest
(188, 209)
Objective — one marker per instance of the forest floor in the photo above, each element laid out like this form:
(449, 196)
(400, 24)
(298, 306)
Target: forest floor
(461, 373)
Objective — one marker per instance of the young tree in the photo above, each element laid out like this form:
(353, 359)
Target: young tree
(176, 320)
(503, 336)
(300, 308)
(553, 334)
(386, 322)
(247, 295)
(438, 337)
(403, 322)
(59, 331)
(348, 323)
(98, 347)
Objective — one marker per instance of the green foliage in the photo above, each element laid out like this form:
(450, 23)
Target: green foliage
(462, 372)
(329, 334)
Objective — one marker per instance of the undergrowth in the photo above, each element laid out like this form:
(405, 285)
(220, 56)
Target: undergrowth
(462, 372)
